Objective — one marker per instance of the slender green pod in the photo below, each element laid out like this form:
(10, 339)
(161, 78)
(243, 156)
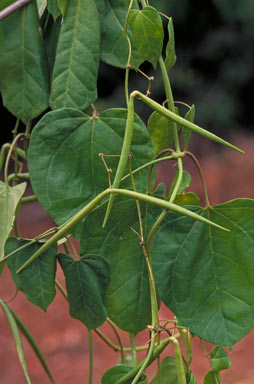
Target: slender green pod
(17, 339)
(124, 154)
(180, 120)
(125, 192)
(181, 378)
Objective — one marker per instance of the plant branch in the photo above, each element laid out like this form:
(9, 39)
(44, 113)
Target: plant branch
(12, 8)
(90, 206)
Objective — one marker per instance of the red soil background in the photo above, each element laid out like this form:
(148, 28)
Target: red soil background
(64, 341)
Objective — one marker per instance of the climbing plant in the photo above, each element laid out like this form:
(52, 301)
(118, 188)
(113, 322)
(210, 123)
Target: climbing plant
(93, 171)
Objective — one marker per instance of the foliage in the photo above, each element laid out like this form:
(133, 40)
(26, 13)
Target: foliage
(92, 171)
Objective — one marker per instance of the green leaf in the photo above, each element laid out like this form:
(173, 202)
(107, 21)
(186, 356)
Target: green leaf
(128, 295)
(17, 339)
(117, 372)
(147, 29)
(62, 4)
(212, 378)
(5, 3)
(205, 275)
(190, 378)
(74, 82)
(114, 44)
(186, 133)
(9, 201)
(188, 198)
(24, 78)
(185, 182)
(161, 131)
(219, 359)
(32, 343)
(168, 372)
(37, 281)
(170, 48)
(54, 9)
(86, 282)
(70, 173)
(41, 5)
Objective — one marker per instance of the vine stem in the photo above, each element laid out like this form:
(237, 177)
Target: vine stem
(90, 206)
(90, 339)
(201, 175)
(9, 155)
(118, 336)
(12, 8)
(155, 353)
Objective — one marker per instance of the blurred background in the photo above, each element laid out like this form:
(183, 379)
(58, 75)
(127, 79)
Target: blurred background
(215, 71)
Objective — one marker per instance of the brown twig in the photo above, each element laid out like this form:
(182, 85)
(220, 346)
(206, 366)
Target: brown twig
(12, 8)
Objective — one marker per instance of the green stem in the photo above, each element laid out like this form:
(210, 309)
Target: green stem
(201, 175)
(28, 199)
(89, 207)
(13, 176)
(155, 353)
(127, 72)
(9, 155)
(90, 338)
(147, 360)
(155, 161)
(118, 336)
(134, 350)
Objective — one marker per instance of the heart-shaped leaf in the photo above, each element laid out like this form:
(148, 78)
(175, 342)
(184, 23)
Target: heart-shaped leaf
(86, 282)
(219, 359)
(147, 29)
(128, 296)
(114, 44)
(69, 172)
(161, 131)
(205, 275)
(168, 372)
(37, 281)
(212, 377)
(116, 373)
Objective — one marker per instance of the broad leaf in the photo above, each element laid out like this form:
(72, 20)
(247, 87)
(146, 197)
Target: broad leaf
(128, 296)
(24, 78)
(5, 3)
(161, 131)
(188, 198)
(86, 282)
(9, 201)
(205, 275)
(37, 281)
(69, 172)
(219, 359)
(54, 9)
(168, 372)
(116, 373)
(62, 4)
(186, 133)
(212, 377)
(147, 29)
(75, 70)
(114, 44)
(170, 48)
(185, 182)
